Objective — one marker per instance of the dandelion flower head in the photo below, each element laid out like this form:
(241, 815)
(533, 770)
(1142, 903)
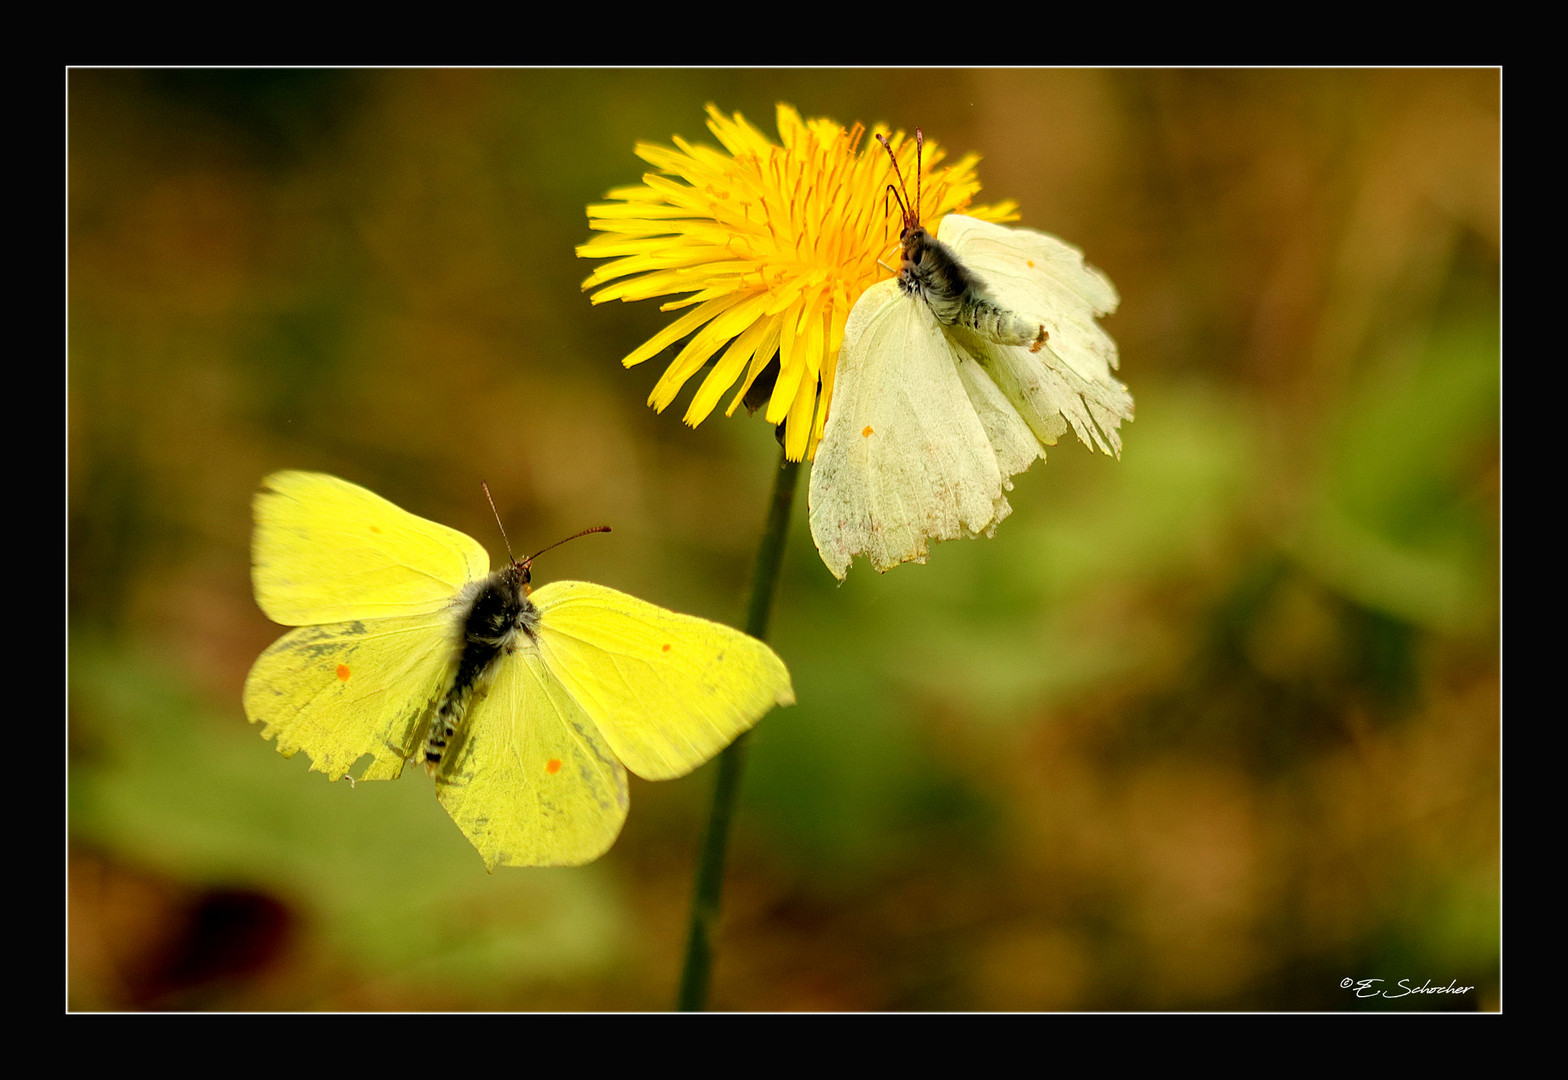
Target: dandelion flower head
(766, 249)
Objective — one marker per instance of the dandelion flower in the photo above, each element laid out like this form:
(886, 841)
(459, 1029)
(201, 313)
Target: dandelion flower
(766, 247)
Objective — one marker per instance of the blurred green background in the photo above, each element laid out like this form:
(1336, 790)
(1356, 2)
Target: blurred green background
(1215, 726)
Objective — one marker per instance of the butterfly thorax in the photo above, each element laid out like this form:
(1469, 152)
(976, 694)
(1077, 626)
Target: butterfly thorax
(497, 618)
(933, 273)
(500, 608)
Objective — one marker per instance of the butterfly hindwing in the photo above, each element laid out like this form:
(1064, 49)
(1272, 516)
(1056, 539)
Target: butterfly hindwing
(340, 691)
(667, 691)
(1068, 382)
(327, 551)
(531, 780)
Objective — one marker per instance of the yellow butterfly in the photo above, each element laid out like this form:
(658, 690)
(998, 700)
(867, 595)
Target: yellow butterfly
(524, 706)
(951, 378)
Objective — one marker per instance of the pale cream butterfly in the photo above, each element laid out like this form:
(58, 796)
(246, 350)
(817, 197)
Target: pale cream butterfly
(953, 377)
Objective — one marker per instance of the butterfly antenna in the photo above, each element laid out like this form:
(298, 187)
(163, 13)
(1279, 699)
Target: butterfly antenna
(586, 532)
(498, 524)
(911, 216)
(902, 209)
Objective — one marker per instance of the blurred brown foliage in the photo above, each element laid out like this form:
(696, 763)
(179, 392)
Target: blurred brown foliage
(1216, 726)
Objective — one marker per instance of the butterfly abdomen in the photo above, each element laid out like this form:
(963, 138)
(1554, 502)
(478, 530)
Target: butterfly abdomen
(934, 274)
(499, 611)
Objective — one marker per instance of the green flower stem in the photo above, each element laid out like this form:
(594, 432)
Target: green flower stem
(693, 996)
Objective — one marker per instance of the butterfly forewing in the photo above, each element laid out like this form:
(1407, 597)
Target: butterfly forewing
(1031, 271)
(905, 458)
(327, 551)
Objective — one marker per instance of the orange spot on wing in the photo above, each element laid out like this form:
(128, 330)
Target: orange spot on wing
(665, 647)
(1030, 263)
(866, 431)
(343, 672)
(375, 528)
(552, 766)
